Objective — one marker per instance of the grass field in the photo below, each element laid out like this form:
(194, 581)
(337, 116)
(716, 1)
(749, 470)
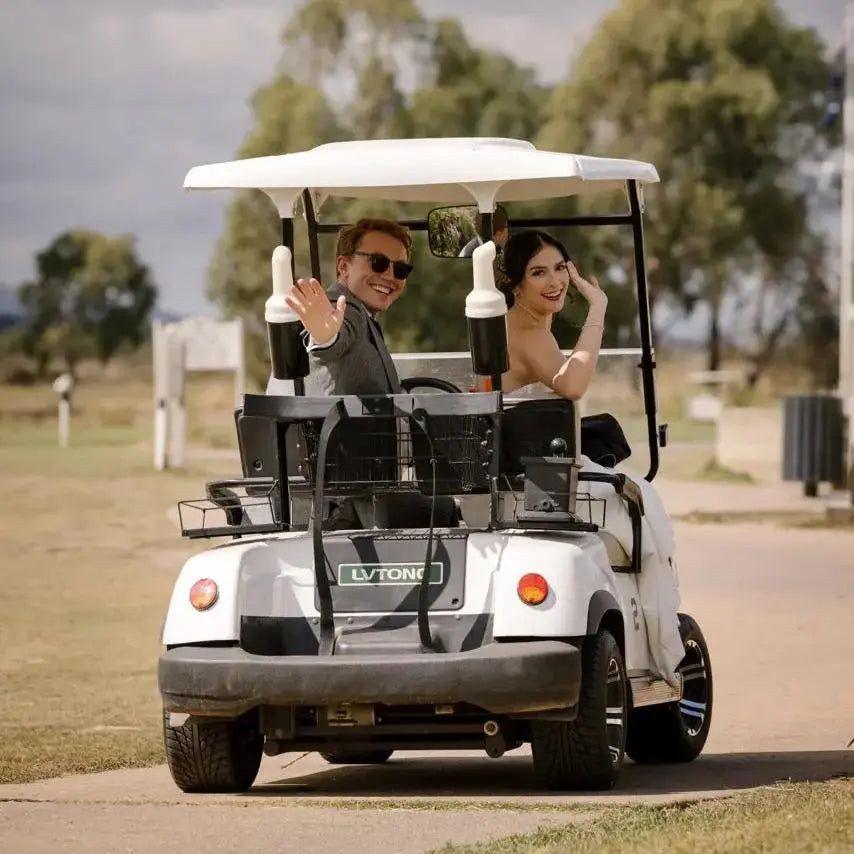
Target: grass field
(89, 560)
(90, 556)
(803, 818)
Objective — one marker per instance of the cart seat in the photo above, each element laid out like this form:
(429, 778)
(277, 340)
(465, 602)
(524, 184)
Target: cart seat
(528, 428)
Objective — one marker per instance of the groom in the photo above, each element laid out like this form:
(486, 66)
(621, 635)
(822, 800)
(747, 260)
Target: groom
(347, 352)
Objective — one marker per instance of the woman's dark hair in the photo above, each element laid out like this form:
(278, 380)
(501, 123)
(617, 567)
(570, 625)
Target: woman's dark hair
(518, 251)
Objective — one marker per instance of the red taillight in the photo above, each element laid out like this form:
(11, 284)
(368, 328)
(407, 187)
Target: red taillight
(203, 594)
(532, 589)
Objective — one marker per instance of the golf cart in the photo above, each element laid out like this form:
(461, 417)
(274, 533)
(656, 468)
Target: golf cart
(506, 592)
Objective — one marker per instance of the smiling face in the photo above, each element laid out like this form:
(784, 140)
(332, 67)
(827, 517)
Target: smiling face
(376, 290)
(544, 285)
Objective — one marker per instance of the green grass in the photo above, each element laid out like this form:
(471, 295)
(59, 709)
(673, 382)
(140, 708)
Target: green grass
(789, 819)
(90, 556)
(714, 472)
(779, 518)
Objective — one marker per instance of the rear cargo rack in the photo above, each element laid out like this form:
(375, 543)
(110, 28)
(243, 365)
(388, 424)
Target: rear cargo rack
(233, 508)
(588, 513)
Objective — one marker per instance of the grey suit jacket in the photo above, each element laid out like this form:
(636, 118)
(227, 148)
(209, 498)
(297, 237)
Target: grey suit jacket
(358, 361)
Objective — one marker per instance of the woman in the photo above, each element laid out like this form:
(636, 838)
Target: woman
(535, 275)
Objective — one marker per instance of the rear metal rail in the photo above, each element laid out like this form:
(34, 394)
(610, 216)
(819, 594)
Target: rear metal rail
(233, 508)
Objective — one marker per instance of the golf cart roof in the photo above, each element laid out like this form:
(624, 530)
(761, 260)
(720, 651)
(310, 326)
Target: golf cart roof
(443, 171)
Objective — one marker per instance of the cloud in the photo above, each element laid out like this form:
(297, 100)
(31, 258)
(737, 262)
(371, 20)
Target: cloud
(105, 104)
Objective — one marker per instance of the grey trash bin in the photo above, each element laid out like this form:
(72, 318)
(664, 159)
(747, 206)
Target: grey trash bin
(813, 450)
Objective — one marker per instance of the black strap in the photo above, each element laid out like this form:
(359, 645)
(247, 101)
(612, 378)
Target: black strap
(419, 417)
(324, 594)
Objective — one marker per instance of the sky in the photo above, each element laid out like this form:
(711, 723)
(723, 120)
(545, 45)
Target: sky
(105, 105)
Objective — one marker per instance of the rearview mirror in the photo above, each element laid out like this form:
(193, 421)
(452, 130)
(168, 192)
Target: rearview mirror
(453, 232)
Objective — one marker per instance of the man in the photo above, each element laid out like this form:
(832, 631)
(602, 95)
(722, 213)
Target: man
(348, 355)
(500, 234)
(347, 352)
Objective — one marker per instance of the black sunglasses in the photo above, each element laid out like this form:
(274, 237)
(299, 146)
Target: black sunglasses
(380, 262)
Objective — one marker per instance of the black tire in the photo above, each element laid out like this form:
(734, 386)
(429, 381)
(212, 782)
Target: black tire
(587, 753)
(356, 757)
(677, 732)
(214, 756)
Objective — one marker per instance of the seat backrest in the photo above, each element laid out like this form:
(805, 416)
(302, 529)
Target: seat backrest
(392, 451)
(528, 427)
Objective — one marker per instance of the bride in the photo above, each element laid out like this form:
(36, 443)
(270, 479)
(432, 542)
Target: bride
(535, 275)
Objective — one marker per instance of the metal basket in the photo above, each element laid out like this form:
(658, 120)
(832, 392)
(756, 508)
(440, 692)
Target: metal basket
(233, 508)
(382, 453)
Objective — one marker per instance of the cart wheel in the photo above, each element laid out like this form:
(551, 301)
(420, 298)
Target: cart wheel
(356, 757)
(587, 753)
(214, 756)
(677, 732)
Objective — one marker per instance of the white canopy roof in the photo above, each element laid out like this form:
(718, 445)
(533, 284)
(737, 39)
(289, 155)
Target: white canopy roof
(443, 171)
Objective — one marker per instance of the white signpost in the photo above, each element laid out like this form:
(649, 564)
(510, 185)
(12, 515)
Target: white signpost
(194, 344)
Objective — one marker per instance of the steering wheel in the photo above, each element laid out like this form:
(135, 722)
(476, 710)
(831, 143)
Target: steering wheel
(429, 382)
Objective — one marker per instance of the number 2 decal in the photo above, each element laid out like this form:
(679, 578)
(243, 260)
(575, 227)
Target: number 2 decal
(635, 614)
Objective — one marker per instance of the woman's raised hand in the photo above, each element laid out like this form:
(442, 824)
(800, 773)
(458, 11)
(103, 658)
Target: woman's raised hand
(318, 316)
(589, 290)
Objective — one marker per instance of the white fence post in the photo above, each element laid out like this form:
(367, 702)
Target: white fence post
(62, 385)
(177, 400)
(160, 350)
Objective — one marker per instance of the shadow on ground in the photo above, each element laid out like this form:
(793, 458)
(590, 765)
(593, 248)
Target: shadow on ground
(513, 776)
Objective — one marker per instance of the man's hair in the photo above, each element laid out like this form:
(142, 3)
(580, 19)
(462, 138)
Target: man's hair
(499, 219)
(351, 236)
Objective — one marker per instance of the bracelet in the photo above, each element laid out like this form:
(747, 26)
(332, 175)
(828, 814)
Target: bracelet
(593, 326)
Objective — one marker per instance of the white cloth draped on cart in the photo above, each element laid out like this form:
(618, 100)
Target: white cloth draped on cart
(658, 581)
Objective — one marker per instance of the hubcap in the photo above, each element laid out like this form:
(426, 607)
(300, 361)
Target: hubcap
(615, 711)
(695, 689)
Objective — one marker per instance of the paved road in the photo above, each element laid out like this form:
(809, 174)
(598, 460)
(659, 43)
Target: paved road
(776, 607)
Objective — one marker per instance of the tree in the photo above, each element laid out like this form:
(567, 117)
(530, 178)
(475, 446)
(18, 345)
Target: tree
(324, 38)
(289, 116)
(727, 97)
(475, 92)
(91, 296)
(323, 41)
(370, 46)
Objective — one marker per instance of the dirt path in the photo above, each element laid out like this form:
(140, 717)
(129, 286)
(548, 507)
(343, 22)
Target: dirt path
(776, 607)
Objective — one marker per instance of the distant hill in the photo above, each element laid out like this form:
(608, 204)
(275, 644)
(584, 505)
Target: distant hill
(11, 310)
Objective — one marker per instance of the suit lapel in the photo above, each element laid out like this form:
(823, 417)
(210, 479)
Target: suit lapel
(385, 357)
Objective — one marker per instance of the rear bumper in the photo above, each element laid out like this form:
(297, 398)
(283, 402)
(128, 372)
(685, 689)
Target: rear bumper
(498, 677)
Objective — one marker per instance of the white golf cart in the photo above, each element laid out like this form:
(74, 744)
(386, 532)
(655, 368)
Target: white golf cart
(489, 605)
